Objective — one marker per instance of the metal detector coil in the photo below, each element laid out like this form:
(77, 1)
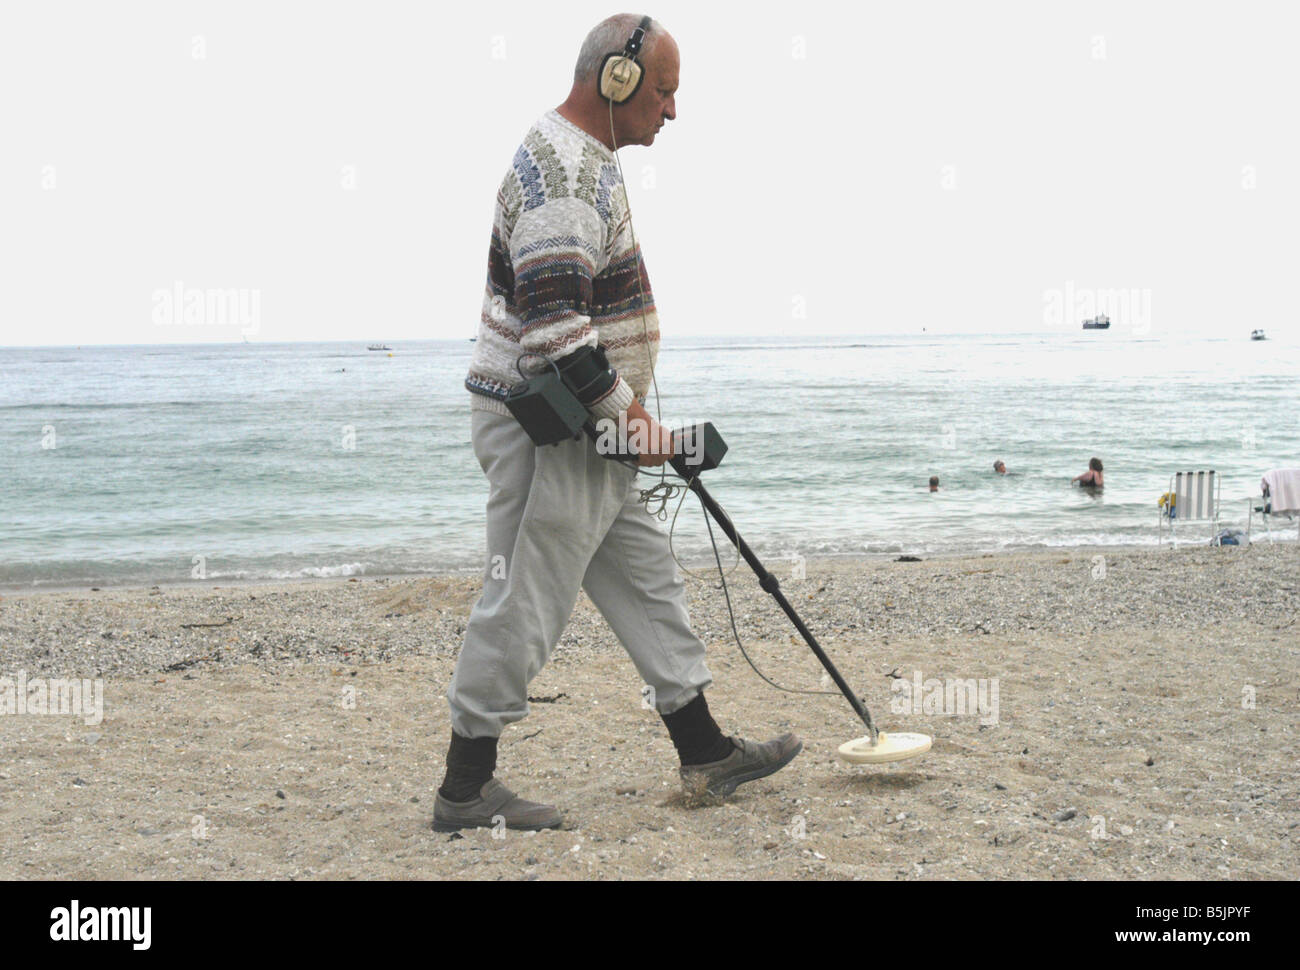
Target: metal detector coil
(885, 748)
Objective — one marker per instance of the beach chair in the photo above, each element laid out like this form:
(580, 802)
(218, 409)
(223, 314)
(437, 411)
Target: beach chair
(1195, 499)
(1269, 506)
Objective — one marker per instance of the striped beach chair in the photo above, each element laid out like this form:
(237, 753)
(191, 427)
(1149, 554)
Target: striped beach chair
(1196, 499)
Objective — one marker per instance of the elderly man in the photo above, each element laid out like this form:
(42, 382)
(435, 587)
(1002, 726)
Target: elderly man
(566, 283)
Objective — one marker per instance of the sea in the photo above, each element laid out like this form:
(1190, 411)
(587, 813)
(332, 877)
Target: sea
(142, 465)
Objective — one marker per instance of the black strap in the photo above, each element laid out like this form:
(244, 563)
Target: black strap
(586, 372)
(634, 42)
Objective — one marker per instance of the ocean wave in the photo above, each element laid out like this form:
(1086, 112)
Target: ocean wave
(111, 405)
(325, 572)
(306, 572)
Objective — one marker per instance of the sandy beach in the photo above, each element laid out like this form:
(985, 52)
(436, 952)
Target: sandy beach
(1143, 725)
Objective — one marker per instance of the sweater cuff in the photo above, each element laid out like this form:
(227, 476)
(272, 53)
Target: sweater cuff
(618, 400)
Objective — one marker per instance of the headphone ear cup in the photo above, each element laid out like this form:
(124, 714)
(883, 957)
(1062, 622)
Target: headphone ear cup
(620, 77)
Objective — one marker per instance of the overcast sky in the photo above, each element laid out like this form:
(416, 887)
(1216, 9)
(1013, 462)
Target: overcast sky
(835, 167)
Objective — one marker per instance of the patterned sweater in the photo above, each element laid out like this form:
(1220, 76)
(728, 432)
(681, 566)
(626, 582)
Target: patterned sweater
(562, 271)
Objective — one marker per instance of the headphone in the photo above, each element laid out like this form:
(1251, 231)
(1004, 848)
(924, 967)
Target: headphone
(620, 74)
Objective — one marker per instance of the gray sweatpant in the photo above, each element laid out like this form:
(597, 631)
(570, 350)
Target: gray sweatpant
(559, 519)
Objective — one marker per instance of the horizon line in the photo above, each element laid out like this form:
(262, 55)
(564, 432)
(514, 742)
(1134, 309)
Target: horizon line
(701, 336)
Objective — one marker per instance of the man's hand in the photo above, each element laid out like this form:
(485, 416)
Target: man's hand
(656, 440)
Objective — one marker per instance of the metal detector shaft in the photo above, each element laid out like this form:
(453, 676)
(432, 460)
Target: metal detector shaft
(770, 585)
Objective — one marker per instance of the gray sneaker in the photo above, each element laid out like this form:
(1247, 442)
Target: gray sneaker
(495, 801)
(748, 762)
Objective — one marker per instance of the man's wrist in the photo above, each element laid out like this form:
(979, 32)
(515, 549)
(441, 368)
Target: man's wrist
(619, 399)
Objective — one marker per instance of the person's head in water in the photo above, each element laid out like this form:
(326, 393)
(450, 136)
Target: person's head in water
(1092, 478)
(934, 483)
(1000, 467)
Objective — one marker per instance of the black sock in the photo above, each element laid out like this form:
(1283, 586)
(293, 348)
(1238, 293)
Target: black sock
(470, 763)
(695, 734)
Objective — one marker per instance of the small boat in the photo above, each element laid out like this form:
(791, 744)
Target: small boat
(379, 347)
(1099, 322)
(1257, 335)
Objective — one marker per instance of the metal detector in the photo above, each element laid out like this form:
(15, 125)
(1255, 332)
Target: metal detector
(707, 449)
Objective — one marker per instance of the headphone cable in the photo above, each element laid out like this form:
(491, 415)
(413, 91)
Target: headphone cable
(732, 617)
(665, 490)
(656, 498)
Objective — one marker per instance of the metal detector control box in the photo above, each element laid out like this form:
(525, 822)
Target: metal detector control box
(699, 449)
(550, 413)
(547, 409)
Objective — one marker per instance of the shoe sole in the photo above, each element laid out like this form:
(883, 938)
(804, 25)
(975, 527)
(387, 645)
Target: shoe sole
(731, 784)
(457, 826)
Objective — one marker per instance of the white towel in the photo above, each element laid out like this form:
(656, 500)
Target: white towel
(1283, 486)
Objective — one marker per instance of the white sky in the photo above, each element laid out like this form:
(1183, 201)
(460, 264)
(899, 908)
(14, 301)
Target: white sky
(946, 165)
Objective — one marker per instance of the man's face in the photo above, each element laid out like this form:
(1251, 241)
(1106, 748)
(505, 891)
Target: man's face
(654, 104)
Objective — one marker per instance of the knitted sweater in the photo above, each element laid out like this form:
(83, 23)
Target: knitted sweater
(562, 271)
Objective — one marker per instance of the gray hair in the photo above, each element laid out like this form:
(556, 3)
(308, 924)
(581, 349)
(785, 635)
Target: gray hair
(610, 36)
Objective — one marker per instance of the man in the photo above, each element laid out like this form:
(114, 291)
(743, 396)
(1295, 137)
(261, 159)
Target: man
(1000, 467)
(566, 283)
